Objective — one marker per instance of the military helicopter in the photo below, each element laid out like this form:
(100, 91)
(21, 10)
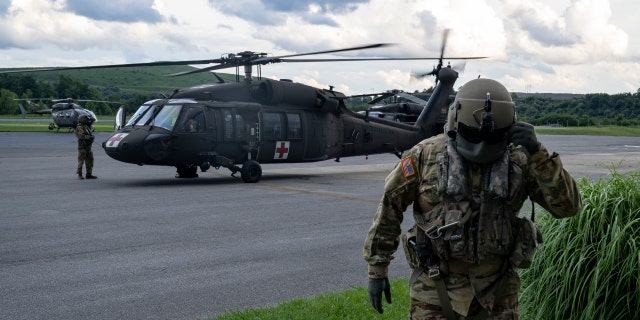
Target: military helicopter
(64, 112)
(243, 124)
(396, 105)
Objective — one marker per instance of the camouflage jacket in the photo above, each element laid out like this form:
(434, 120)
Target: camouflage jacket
(415, 180)
(85, 136)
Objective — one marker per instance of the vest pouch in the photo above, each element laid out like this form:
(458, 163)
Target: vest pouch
(409, 253)
(527, 239)
(495, 232)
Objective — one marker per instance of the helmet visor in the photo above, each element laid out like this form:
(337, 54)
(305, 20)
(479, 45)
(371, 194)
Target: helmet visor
(481, 152)
(475, 135)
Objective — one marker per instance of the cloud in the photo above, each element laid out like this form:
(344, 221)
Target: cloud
(273, 13)
(115, 10)
(581, 33)
(4, 7)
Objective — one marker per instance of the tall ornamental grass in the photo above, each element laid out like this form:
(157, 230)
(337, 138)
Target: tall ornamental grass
(589, 265)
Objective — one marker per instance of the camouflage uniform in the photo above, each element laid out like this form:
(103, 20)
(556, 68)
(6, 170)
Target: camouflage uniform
(479, 258)
(85, 155)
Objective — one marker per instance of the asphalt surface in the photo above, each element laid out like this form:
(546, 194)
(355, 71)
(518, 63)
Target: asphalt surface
(138, 243)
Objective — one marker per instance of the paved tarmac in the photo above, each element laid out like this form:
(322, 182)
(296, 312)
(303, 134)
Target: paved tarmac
(138, 243)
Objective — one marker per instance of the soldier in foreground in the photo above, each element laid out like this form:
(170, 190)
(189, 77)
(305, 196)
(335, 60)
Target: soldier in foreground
(467, 187)
(85, 140)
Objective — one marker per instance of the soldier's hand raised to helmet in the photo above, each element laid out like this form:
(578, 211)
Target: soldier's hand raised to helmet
(522, 133)
(376, 287)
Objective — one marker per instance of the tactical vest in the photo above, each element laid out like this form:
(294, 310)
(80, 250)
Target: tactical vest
(475, 226)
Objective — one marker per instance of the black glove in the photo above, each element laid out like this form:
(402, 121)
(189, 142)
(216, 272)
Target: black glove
(376, 287)
(523, 134)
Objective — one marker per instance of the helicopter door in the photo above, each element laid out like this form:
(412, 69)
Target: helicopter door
(233, 135)
(121, 117)
(191, 135)
(281, 137)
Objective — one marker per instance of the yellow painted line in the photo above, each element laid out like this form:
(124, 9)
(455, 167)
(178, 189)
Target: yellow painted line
(322, 194)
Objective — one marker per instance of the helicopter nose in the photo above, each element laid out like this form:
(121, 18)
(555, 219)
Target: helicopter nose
(157, 146)
(125, 147)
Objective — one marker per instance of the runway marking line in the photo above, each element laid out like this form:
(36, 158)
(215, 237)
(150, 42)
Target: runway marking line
(323, 194)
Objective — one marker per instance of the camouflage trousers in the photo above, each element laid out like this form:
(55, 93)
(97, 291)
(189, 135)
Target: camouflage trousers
(502, 295)
(85, 157)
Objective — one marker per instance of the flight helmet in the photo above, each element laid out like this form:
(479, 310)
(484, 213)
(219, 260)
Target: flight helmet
(479, 119)
(84, 119)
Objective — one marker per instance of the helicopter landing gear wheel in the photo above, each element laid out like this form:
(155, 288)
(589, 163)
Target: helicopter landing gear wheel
(187, 172)
(251, 171)
(51, 126)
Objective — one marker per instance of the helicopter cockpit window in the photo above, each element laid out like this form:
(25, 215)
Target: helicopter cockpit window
(294, 126)
(193, 120)
(271, 126)
(167, 116)
(136, 116)
(146, 117)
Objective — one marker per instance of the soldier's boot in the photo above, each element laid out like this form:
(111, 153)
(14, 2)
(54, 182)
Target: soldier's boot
(90, 171)
(80, 177)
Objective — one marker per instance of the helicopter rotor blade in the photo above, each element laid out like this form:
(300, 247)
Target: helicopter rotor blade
(280, 58)
(378, 59)
(411, 97)
(445, 36)
(199, 70)
(124, 65)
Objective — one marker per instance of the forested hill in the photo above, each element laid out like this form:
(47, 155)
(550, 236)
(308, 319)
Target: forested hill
(579, 109)
(553, 96)
(133, 80)
(133, 86)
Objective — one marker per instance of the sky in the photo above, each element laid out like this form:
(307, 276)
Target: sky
(560, 46)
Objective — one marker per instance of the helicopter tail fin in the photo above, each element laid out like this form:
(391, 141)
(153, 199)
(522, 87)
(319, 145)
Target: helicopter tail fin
(439, 98)
(23, 112)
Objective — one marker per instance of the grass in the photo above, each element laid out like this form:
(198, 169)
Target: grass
(43, 126)
(587, 268)
(591, 131)
(352, 303)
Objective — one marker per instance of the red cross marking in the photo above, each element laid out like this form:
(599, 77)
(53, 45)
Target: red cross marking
(282, 150)
(115, 139)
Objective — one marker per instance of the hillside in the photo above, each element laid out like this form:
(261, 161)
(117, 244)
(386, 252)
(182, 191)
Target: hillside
(141, 80)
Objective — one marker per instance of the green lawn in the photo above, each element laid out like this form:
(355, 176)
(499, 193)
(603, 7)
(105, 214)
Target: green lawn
(107, 126)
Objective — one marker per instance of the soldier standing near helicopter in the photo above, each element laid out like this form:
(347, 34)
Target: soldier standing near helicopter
(467, 187)
(85, 140)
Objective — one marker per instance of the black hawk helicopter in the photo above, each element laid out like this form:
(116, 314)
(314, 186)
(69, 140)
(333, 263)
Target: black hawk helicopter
(243, 124)
(399, 106)
(64, 112)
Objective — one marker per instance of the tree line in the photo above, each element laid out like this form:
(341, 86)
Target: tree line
(18, 86)
(587, 110)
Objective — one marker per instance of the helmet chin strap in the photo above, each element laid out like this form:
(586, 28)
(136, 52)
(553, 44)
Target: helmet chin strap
(481, 152)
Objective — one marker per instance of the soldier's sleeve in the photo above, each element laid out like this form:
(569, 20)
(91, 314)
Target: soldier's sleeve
(384, 234)
(556, 190)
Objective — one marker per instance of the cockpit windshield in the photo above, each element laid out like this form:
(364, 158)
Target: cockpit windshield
(167, 116)
(161, 116)
(136, 116)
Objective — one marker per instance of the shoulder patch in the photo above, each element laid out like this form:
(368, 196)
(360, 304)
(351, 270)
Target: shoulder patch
(407, 167)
